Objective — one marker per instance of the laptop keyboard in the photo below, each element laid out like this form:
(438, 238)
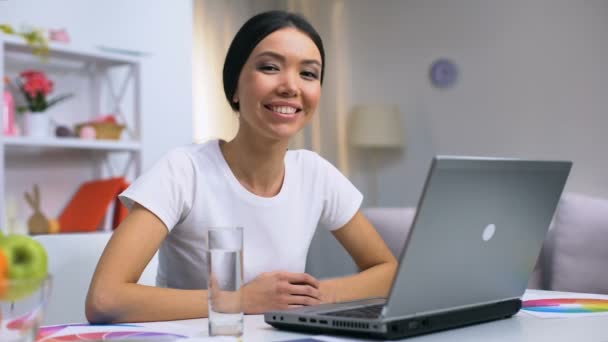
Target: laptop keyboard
(372, 311)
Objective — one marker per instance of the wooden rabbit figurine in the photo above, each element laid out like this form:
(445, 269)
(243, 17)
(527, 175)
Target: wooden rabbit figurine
(37, 223)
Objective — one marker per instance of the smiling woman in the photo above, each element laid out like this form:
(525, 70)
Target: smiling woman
(272, 78)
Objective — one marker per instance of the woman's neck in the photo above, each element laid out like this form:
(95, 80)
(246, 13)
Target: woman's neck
(258, 164)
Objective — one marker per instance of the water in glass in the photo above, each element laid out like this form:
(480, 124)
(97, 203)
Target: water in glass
(224, 282)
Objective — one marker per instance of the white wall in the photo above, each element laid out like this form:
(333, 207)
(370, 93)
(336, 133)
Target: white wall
(161, 28)
(532, 84)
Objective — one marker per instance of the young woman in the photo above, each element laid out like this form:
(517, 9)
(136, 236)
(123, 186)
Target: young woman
(272, 78)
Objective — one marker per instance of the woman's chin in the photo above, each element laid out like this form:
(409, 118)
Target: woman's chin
(282, 132)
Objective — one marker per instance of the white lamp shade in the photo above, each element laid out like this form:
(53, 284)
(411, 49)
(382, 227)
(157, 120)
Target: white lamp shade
(376, 126)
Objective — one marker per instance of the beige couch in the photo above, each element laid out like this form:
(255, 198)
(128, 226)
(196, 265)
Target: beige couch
(575, 252)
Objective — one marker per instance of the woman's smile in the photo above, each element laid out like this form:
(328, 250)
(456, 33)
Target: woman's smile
(283, 111)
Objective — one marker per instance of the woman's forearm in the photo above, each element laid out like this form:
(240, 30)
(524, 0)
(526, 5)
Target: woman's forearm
(140, 303)
(373, 282)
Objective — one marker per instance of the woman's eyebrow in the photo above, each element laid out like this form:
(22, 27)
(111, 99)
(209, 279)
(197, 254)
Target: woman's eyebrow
(270, 54)
(281, 58)
(312, 61)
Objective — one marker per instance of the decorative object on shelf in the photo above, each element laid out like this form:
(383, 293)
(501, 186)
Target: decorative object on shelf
(14, 225)
(59, 35)
(105, 127)
(54, 226)
(8, 117)
(87, 209)
(35, 88)
(62, 131)
(37, 223)
(35, 38)
(85, 132)
(443, 73)
(36, 124)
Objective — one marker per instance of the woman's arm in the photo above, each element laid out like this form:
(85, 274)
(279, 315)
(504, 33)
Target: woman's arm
(373, 258)
(115, 296)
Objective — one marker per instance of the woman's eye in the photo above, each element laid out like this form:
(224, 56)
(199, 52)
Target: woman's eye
(309, 75)
(268, 67)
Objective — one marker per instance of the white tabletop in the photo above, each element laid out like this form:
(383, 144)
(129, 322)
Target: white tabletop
(521, 327)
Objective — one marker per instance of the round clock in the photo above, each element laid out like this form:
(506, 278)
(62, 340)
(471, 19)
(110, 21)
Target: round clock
(443, 73)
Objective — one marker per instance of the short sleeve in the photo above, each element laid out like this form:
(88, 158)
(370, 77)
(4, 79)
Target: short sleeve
(341, 199)
(166, 189)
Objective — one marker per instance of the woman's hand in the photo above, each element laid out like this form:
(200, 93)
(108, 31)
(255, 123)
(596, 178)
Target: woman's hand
(280, 290)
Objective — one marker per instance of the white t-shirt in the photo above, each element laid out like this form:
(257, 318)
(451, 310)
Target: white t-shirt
(192, 188)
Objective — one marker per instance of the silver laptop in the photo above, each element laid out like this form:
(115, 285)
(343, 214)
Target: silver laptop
(474, 242)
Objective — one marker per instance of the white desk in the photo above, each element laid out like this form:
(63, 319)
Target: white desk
(521, 327)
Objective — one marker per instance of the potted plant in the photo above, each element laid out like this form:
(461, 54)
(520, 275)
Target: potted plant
(36, 88)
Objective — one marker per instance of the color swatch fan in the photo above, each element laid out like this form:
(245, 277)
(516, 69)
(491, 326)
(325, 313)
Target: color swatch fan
(567, 305)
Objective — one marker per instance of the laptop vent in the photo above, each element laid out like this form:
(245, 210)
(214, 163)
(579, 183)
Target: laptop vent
(350, 324)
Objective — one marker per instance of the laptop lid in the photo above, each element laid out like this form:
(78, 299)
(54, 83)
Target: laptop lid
(477, 233)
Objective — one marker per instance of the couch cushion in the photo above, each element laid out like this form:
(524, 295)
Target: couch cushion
(579, 245)
(328, 259)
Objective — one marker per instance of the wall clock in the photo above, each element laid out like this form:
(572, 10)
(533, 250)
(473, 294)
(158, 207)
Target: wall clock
(443, 73)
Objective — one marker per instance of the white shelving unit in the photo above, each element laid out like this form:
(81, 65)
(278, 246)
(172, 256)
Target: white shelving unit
(97, 68)
(72, 143)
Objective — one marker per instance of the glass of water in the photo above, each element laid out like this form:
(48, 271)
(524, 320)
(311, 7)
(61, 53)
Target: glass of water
(224, 247)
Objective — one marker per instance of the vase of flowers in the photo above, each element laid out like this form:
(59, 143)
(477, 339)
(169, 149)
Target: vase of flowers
(36, 88)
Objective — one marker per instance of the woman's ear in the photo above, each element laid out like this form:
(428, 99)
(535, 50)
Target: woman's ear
(235, 97)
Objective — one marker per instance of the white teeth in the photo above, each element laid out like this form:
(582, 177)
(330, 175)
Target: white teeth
(283, 109)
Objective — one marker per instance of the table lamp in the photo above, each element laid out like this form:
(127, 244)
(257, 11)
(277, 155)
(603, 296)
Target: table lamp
(375, 128)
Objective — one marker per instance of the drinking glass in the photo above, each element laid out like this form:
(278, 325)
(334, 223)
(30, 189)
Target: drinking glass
(224, 246)
(22, 306)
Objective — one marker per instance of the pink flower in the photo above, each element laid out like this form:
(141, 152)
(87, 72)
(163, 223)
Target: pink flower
(36, 87)
(36, 82)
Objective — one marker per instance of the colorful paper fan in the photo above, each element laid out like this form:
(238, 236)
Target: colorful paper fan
(567, 305)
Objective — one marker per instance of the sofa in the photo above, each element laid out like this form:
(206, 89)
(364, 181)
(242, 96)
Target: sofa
(575, 253)
(574, 256)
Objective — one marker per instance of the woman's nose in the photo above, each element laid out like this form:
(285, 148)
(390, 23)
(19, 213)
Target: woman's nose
(288, 86)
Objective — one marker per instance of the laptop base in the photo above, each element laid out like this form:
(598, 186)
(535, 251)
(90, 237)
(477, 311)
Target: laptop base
(394, 329)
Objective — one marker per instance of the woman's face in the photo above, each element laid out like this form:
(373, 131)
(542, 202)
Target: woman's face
(279, 87)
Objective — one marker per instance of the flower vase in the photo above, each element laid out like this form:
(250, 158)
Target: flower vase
(36, 124)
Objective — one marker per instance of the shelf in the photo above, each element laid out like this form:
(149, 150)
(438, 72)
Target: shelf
(72, 143)
(101, 79)
(67, 52)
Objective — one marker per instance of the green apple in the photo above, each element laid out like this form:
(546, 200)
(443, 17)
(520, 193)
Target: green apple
(27, 258)
(27, 265)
